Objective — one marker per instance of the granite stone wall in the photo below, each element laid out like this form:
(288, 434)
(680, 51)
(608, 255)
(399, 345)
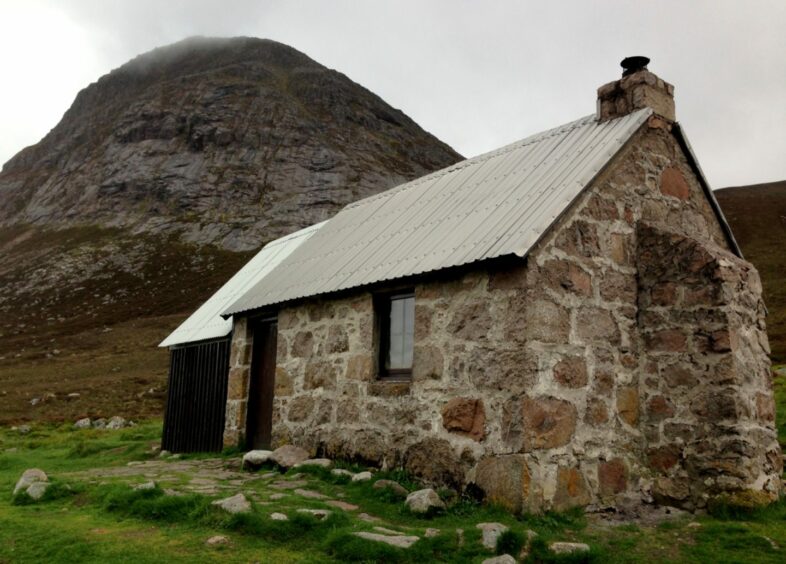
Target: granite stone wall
(581, 375)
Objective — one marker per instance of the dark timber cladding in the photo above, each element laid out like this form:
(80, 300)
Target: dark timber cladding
(196, 400)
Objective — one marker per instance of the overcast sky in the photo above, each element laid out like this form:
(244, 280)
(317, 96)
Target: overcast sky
(476, 74)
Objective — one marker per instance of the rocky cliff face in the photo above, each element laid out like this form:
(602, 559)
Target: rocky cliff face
(226, 141)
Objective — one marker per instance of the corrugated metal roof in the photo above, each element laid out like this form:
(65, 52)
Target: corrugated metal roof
(206, 322)
(496, 204)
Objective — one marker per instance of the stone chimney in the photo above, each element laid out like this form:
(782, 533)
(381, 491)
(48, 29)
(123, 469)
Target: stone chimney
(638, 88)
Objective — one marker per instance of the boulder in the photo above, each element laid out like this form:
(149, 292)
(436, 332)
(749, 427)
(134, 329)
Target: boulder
(99, 423)
(151, 485)
(399, 541)
(116, 422)
(504, 559)
(30, 477)
(37, 490)
(83, 423)
(288, 455)
(424, 501)
(568, 547)
(490, 533)
(321, 462)
(362, 477)
(395, 487)
(235, 504)
(254, 459)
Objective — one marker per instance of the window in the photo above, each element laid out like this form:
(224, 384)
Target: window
(397, 333)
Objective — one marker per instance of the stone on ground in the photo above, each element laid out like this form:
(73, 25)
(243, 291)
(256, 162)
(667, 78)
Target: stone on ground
(116, 422)
(288, 455)
(362, 477)
(395, 487)
(431, 532)
(254, 459)
(367, 518)
(235, 504)
(321, 462)
(23, 429)
(164, 454)
(277, 496)
(30, 477)
(99, 423)
(279, 517)
(343, 505)
(504, 559)
(310, 494)
(568, 547)
(341, 472)
(423, 501)
(318, 513)
(37, 490)
(400, 541)
(151, 485)
(491, 532)
(216, 540)
(83, 423)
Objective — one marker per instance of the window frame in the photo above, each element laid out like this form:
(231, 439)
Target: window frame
(383, 310)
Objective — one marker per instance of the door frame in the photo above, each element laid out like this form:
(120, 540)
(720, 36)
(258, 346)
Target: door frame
(261, 385)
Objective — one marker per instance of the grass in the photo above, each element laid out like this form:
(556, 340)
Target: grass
(109, 521)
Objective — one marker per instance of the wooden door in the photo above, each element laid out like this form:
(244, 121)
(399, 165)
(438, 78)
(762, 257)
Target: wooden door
(263, 374)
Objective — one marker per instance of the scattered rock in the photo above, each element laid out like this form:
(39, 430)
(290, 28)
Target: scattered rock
(216, 540)
(99, 423)
(254, 459)
(310, 494)
(395, 487)
(73, 396)
(773, 544)
(235, 504)
(151, 485)
(341, 472)
(35, 401)
(279, 517)
(321, 462)
(37, 490)
(387, 531)
(343, 505)
(694, 525)
(431, 532)
(491, 532)
(83, 423)
(116, 422)
(29, 477)
(423, 501)
(568, 547)
(164, 454)
(368, 518)
(281, 485)
(320, 514)
(23, 429)
(504, 559)
(135, 463)
(172, 493)
(268, 475)
(288, 455)
(277, 496)
(400, 541)
(362, 477)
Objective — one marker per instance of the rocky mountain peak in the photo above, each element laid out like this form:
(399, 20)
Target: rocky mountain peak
(227, 141)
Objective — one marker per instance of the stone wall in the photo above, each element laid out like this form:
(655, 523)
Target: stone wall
(536, 380)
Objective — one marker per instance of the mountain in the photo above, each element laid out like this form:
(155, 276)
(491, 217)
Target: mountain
(224, 141)
(155, 187)
(757, 215)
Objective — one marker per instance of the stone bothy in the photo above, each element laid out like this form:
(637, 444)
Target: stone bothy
(563, 322)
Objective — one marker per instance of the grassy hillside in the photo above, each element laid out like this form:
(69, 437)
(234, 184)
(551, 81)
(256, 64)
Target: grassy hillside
(82, 311)
(757, 215)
